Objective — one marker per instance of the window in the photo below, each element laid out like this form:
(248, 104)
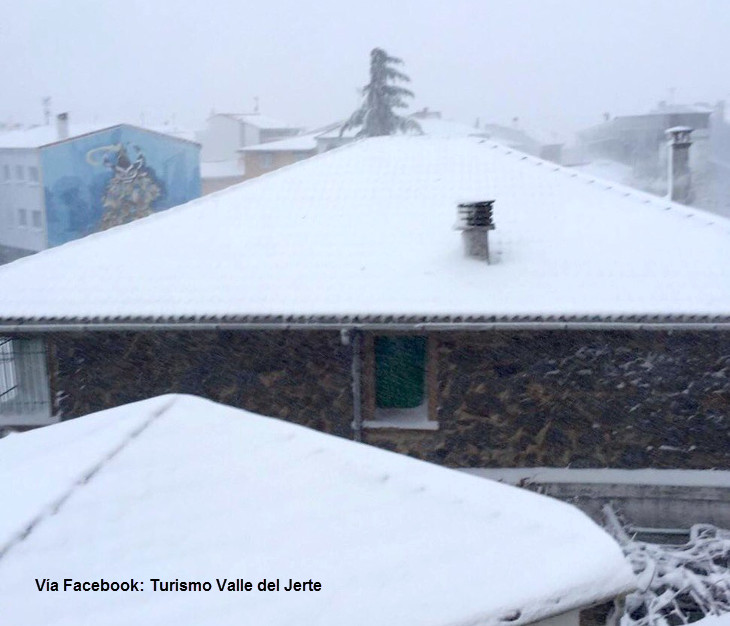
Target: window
(19, 172)
(37, 219)
(8, 381)
(33, 174)
(24, 393)
(266, 160)
(22, 218)
(401, 368)
(6, 172)
(400, 372)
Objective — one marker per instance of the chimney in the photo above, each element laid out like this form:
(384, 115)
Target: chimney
(679, 179)
(475, 222)
(720, 111)
(62, 126)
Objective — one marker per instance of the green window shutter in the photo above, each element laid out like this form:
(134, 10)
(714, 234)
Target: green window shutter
(400, 367)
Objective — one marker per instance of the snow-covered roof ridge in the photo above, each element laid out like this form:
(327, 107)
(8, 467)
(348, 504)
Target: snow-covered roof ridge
(365, 232)
(259, 120)
(298, 143)
(204, 492)
(42, 136)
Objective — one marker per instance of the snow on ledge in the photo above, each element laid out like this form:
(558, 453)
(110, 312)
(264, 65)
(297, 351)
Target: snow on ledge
(658, 477)
(405, 419)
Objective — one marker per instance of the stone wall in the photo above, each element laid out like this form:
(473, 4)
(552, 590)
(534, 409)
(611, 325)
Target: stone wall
(579, 399)
(303, 377)
(502, 399)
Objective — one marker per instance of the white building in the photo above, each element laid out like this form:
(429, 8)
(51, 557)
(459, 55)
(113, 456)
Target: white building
(225, 134)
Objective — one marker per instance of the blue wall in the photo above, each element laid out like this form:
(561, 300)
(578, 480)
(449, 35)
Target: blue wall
(97, 181)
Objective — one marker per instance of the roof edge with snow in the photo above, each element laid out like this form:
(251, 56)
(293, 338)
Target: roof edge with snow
(437, 323)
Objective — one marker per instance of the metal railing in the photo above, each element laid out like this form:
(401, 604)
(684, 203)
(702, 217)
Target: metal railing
(24, 388)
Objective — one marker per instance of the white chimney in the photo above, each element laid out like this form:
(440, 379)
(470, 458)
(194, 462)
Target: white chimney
(62, 126)
(679, 178)
(475, 222)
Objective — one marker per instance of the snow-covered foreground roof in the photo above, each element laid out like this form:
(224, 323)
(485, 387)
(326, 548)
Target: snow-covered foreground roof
(367, 230)
(177, 487)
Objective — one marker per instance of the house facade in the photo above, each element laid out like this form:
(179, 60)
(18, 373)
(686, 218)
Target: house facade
(266, 157)
(491, 398)
(341, 299)
(61, 184)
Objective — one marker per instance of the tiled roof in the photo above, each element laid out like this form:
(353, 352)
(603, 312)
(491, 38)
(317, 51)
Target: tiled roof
(365, 234)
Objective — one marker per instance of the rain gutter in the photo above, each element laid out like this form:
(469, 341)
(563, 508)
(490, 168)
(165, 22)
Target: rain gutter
(34, 327)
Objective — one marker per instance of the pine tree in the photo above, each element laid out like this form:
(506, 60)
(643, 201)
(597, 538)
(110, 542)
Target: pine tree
(376, 116)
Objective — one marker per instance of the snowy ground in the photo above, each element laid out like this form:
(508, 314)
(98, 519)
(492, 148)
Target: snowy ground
(179, 488)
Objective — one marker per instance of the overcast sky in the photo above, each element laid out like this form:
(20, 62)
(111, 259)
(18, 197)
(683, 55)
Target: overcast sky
(555, 64)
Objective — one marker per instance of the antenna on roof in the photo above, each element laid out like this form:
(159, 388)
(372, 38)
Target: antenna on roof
(256, 104)
(47, 109)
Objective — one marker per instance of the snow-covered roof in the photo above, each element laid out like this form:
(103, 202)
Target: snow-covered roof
(664, 108)
(366, 232)
(607, 169)
(230, 168)
(260, 121)
(181, 488)
(300, 143)
(39, 136)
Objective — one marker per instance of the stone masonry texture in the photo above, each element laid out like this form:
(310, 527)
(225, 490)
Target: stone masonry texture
(503, 399)
(301, 377)
(579, 399)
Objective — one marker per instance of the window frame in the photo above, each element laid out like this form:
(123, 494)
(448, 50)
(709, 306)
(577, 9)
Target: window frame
(25, 393)
(373, 416)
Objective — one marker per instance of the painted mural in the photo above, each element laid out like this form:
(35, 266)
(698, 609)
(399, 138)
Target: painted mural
(112, 177)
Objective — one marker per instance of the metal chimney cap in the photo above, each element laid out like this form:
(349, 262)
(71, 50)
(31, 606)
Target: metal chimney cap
(475, 215)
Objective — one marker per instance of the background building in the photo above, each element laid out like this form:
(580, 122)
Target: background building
(225, 134)
(59, 184)
(632, 149)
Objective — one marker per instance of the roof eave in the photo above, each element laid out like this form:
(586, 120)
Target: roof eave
(375, 323)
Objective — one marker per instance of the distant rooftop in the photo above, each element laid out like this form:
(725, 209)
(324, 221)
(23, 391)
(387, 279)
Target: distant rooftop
(300, 143)
(260, 121)
(38, 136)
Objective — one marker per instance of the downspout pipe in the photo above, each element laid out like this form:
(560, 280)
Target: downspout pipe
(355, 337)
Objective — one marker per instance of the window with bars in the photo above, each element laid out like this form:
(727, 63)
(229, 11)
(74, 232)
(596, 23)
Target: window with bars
(24, 393)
